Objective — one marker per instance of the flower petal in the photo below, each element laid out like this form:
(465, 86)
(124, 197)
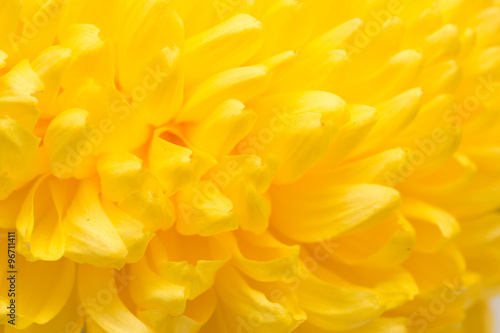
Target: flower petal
(18, 157)
(91, 236)
(242, 83)
(323, 213)
(226, 126)
(227, 45)
(174, 162)
(112, 315)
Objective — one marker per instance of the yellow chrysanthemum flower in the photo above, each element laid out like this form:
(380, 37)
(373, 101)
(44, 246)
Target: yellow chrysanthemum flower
(249, 166)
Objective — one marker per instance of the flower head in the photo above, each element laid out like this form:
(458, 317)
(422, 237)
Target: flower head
(250, 165)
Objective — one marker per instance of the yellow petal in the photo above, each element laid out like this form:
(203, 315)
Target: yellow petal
(372, 45)
(477, 232)
(284, 17)
(110, 114)
(453, 176)
(362, 119)
(240, 301)
(46, 287)
(39, 223)
(323, 213)
(16, 90)
(151, 207)
(90, 235)
(279, 65)
(93, 12)
(95, 284)
(441, 78)
(70, 143)
(442, 44)
(158, 97)
(174, 162)
(394, 286)
(394, 78)
(120, 174)
(195, 270)
(91, 55)
(50, 66)
(9, 208)
(478, 318)
(335, 38)
(447, 265)
(297, 128)
(385, 245)
(393, 116)
(69, 320)
(262, 257)
(37, 28)
(244, 179)
(434, 227)
(151, 291)
(152, 28)
(316, 71)
(197, 313)
(376, 169)
(10, 11)
(487, 27)
(484, 264)
(227, 45)
(3, 57)
(380, 325)
(19, 148)
(133, 233)
(336, 308)
(242, 83)
(135, 189)
(226, 126)
(203, 210)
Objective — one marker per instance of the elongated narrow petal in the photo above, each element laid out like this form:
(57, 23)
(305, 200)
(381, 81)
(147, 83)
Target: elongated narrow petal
(393, 116)
(227, 45)
(230, 122)
(153, 26)
(243, 84)
(329, 212)
(296, 127)
(335, 308)
(394, 241)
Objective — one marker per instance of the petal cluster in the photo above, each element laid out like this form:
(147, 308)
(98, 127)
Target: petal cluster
(258, 166)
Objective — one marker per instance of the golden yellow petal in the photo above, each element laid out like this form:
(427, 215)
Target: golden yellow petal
(323, 213)
(91, 236)
(19, 148)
